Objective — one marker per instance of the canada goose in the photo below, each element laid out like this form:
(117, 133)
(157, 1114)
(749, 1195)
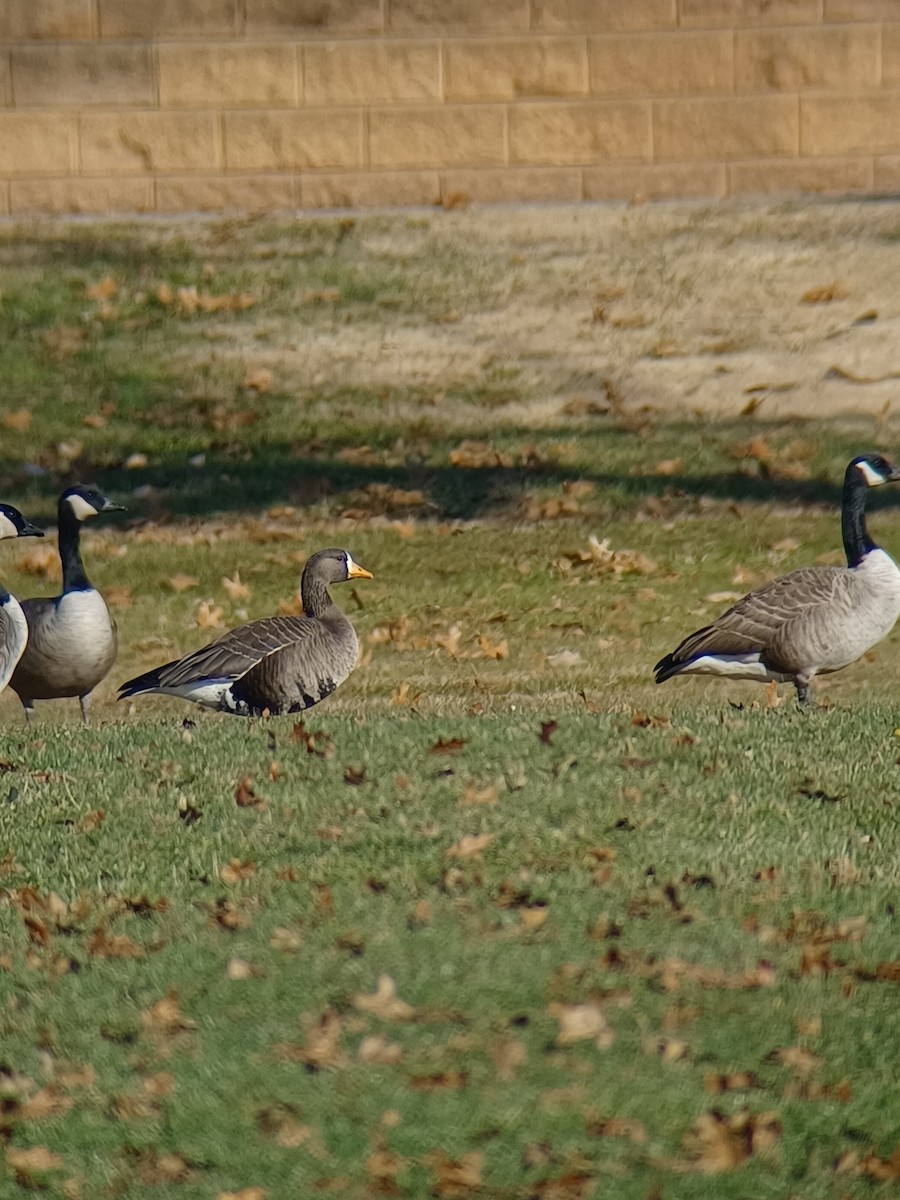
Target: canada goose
(71, 637)
(274, 665)
(13, 626)
(811, 621)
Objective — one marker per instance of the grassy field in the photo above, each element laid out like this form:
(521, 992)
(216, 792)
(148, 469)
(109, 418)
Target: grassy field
(500, 919)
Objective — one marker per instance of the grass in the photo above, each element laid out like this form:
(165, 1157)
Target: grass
(500, 919)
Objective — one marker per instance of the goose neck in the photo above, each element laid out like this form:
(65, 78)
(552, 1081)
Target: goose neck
(857, 542)
(314, 595)
(74, 577)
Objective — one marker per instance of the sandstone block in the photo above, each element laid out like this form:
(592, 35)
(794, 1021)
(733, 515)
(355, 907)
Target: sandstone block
(81, 195)
(36, 143)
(226, 193)
(731, 14)
(790, 59)
(654, 181)
(458, 16)
(5, 80)
(860, 10)
(597, 16)
(569, 134)
(306, 17)
(234, 75)
(887, 174)
(371, 72)
(505, 70)
(752, 126)
(168, 18)
(81, 74)
(285, 141)
(437, 137)
(369, 189)
(850, 124)
(513, 184)
(57, 20)
(816, 176)
(890, 54)
(661, 64)
(125, 143)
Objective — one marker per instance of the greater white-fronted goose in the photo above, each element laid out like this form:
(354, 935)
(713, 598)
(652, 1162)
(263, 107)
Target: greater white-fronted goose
(71, 637)
(13, 626)
(811, 621)
(273, 665)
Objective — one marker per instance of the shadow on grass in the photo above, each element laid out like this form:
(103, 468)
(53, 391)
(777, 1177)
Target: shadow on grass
(248, 479)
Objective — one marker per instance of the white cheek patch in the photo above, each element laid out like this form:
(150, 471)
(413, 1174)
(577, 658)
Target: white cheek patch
(80, 507)
(7, 529)
(872, 478)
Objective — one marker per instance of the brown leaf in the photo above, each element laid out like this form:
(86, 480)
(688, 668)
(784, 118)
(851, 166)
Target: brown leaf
(507, 1055)
(581, 1022)
(494, 650)
(18, 420)
(619, 1127)
(447, 746)
(824, 294)
(165, 1016)
(317, 743)
(473, 795)
(245, 797)
(718, 1143)
(181, 582)
(470, 845)
(259, 380)
(384, 1002)
(322, 1048)
(236, 588)
(209, 615)
(247, 1193)
(548, 728)
(118, 596)
(377, 1049)
(101, 945)
(439, 1082)
(92, 821)
(235, 871)
(455, 1179)
(354, 776)
(30, 1165)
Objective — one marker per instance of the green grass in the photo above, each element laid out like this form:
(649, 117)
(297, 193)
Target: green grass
(713, 879)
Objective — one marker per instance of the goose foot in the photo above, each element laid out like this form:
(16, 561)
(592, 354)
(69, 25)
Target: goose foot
(85, 702)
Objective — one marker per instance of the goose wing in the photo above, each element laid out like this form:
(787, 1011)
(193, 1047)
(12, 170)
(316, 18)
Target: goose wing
(762, 616)
(227, 658)
(13, 635)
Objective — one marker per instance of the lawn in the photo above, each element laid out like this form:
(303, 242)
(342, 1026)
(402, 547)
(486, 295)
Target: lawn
(500, 918)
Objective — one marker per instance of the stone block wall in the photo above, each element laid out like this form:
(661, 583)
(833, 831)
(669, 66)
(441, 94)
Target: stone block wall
(216, 105)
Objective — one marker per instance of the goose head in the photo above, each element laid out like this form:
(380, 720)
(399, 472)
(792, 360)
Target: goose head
(13, 524)
(83, 501)
(874, 469)
(335, 566)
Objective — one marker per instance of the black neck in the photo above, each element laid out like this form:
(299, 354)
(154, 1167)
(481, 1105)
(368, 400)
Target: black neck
(857, 542)
(314, 595)
(74, 578)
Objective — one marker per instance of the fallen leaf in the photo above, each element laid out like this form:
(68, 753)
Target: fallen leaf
(236, 588)
(101, 945)
(181, 582)
(377, 1049)
(447, 746)
(548, 728)
(245, 797)
(18, 420)
(209, 615)
(259, 380)
(824, 294)
(470, 845)
(31, 1164)
(493, 650)
(581, 1022)
(456, 1178)
(473, 795)
(92, 821)
(235, 871)
(165, 1016)
(384, 1002)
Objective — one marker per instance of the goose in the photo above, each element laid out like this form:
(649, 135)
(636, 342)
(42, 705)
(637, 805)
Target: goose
(71, 637)
(13, 626)
(812, 621)
(273, 665)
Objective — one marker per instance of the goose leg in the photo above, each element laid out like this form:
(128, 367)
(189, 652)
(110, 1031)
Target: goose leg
(803, 684)
(85, 702)
(28, 705)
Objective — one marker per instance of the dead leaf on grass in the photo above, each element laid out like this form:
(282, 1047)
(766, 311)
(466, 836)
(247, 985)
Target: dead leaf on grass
(30, 1165)
(18, 420)
(180, 582)
(470, 845)
(456, 1178)
(824, 294)
(447, 746)
(581, 1022)
(236, 588)
(384, 1002)
(719, 1143)
(236, 871)
(377, 1049)
(209, 615)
